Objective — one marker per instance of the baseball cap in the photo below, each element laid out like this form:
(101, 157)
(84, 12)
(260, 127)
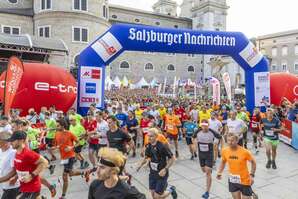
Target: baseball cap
(17, 135)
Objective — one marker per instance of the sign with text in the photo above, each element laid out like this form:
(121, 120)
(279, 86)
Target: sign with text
(91, 81)
(262, 88)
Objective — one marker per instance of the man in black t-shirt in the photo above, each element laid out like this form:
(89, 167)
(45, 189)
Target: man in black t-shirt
(160, 159)
(116, 137)
(108, 185)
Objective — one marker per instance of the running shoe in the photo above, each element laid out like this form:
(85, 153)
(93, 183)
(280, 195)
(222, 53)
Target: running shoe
(205, 195)
(268, 165)
(53, 190)
(274, 165)
(174, 192)
(192, 157)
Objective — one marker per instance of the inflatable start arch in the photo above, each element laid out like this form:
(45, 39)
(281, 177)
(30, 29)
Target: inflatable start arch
(122, 37)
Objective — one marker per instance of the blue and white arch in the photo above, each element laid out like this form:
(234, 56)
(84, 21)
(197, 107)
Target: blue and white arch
(122, 37)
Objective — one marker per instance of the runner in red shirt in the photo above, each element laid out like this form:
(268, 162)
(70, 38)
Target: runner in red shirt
(90, 124)
(27, 166)
(145, 124)
(255, 127)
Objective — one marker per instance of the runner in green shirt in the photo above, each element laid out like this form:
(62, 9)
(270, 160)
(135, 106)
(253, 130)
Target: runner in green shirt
(79, 131)
(51, 130)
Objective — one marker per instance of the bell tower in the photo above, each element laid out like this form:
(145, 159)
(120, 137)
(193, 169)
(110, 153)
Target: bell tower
(168, 7)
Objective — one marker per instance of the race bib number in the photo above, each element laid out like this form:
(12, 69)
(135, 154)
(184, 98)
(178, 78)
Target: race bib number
(254, 125)
(269, 132)
(170, 127)
(204, 147)
(145, 130)
(235, 179)
(22, 174)
(154, 166)
(63, 162)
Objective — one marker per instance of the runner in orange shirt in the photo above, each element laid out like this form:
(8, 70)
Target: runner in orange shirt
(240, 180)
(172, 123)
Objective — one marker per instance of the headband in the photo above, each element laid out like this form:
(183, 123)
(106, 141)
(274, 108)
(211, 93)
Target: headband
(107, 163)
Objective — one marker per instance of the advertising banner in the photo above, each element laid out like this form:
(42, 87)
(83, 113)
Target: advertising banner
(91, 84)
(262, 88)
(215, 89)
(295, 135)
(14, 74)
(286, 135)
(227, 83)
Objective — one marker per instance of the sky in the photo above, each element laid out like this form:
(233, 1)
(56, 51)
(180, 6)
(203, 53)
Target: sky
(252, 17)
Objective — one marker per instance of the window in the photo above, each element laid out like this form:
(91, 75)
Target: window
(191, 69)
(296, 66)
(114, 16)
(46, 4)
(12, 30)
(296, 49)
(273, 67)
(176, 26)
(274, 52)
(284, 66)
(149, 66)
(80, 5)
(137, 20)
(284, 51)
(105, 11)
(191, 55)
(171, 67)
(124, 65)
(44, 31)
(263, 51)
(79, 34)
(13, 1)
(157, 23)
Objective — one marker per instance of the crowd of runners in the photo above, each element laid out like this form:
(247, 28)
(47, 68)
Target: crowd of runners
(136, 124)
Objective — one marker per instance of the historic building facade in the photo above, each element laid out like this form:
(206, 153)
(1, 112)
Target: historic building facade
(79, 22)
(281, 49)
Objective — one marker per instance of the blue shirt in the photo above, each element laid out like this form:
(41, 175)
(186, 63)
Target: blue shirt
(131, 123)
(190, 128)
(268, 132)
(122, 118)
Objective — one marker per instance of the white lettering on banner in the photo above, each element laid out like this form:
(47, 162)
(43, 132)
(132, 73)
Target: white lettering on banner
(107, 46)
(251, 55)
(294, 90)
(44, 86)
(187, 38)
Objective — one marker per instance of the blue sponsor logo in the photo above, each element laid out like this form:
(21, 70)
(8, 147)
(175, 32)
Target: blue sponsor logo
(90, 88)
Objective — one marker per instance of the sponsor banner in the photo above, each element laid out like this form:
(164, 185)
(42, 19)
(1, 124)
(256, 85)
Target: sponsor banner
(295, 135)
(14, 74)
(227, 83)
(262, 88)
(107, 46)
(251, 55)
(286, 134)
(91, 83)
(215, 89)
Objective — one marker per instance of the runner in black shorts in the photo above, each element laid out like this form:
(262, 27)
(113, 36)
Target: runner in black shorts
(205, 139)
(160, 159)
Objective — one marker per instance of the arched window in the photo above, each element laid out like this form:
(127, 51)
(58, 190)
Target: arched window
(149, 66)
(191, 69)
(124, 64)
(13, 1)
(171, 67)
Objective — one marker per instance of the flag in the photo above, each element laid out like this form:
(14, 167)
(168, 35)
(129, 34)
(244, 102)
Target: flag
(215, 89)
(14, 73)
(227, 83)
